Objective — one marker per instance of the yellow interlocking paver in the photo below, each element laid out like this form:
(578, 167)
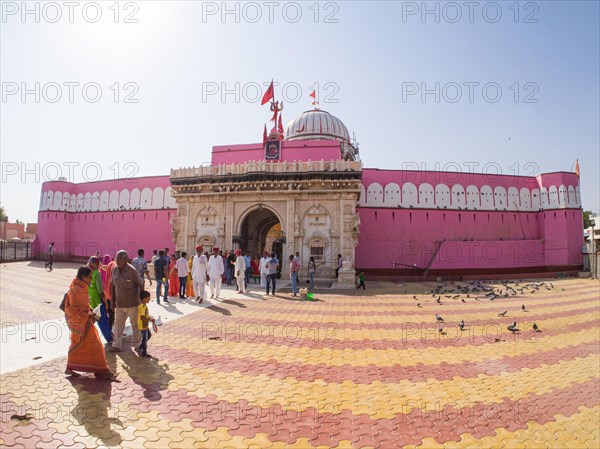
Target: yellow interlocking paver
(236, 393)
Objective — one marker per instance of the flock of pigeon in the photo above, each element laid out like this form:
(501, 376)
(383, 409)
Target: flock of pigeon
(478, 290)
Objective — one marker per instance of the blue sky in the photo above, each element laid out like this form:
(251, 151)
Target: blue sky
(539, 63)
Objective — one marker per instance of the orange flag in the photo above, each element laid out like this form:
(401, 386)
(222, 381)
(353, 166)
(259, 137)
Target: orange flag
(577, 167)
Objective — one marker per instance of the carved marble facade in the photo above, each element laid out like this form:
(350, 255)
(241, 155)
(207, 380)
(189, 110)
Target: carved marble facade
(314, 202)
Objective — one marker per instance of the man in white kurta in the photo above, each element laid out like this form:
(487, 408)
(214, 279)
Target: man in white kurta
(240, 271)
(262, 269)
(215, 271)
(199, 267)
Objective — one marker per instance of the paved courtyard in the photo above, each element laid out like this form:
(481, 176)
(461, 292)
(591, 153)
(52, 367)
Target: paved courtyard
(351, 369)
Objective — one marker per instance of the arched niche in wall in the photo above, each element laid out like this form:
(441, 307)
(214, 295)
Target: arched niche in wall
(43, 199)
(317, 244)
(158, 198)
(95, 201)
(442, 196)
(562, 196)
(49, 199)
(134, 199)
(458, 196)
(409, 194)
(73, 203)
(500, 198)
(80, 202)
(426, 198)
(170, 201)
(65, 201)
(206, 220)
(571, 197)
(146, 198)
(513, 201)
(544, 198)
(375, 194)
(57, 201)
(87, 201)
(473, 201)
(317, 219)
(487, 198)
(124, 199)
(536, 202)
(113, 200)
(104, 200)
(391, 197)
(578, 196)
(553, 197)
(525, 199)
(362, 201)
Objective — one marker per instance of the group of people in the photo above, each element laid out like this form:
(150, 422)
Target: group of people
(107, 292)
(110, 292)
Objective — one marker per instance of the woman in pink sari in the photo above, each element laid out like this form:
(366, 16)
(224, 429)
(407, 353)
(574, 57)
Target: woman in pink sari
(86, 352)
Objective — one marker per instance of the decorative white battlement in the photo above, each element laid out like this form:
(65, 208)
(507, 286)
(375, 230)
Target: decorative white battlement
(263, 166)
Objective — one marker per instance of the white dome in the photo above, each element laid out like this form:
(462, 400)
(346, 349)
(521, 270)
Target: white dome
(316, 124)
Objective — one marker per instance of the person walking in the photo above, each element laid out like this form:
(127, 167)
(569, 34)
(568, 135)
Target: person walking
(215, 271)
(262, 269)
(248, 260)
(183, 268)
(161, 276)
(108, 270)
(230, 267)
(312, 269)
(85, 352)
(361, 280)
(173, 277)
(144, 319)
(141, 265)
(240, 271)
(294, 267)
(97, 298)
(271, 269)
(125, 286)
(199, 267)
(50, 260)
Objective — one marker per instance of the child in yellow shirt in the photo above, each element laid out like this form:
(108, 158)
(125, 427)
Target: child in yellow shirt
(144, 319)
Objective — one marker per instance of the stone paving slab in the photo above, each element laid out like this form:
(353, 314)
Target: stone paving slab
(353, 369)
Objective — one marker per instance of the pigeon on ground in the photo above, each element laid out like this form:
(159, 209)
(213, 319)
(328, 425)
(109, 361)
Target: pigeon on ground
(536, 328)
(523, 308)
(503, 313)
(462, 325)
(439, 318)
(513, 327)
(419, 304)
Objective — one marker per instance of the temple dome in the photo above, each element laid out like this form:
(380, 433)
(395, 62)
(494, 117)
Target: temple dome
(316, 124)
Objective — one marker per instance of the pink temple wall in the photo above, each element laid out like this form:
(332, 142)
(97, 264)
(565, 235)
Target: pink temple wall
(293, 150)
(450, 239)
(84, 233)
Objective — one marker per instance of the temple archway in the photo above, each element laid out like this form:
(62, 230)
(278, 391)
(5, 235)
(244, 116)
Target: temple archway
(261, 230)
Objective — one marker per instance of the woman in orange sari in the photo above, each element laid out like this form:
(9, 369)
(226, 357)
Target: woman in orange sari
(189, 287)
(86, 352)
(173, 279)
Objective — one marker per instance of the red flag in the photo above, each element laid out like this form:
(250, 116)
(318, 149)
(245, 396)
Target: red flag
(268, 94)
(577, 167)
(313, 94)
(265, 135)
(280, 126)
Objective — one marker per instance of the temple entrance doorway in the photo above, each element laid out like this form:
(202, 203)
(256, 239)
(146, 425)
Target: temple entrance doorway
(261, 231)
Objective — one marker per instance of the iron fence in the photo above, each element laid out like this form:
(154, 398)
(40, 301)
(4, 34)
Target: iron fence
(12, 251)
